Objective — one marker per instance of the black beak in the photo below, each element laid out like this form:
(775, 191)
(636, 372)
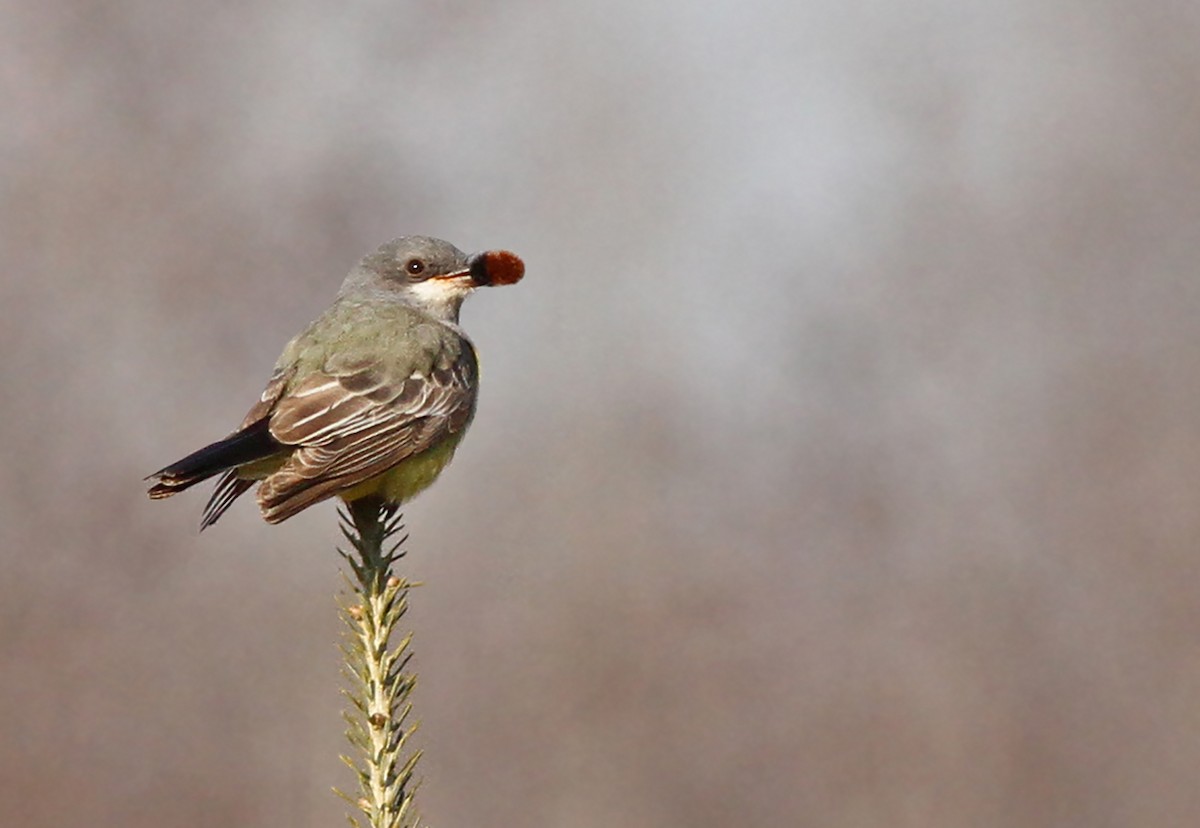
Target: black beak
(477, 265)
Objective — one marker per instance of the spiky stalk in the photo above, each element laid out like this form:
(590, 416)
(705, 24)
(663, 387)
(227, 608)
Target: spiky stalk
(379, 685)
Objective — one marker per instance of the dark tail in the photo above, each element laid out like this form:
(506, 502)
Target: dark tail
(253, 442)
(229, 488)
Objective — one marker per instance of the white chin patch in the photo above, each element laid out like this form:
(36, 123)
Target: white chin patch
(437, 291)
(441, 296)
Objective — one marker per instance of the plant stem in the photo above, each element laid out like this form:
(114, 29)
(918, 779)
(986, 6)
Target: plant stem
(379, 686)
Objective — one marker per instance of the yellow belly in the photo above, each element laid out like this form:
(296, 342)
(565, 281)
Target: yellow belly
(398, 484)
(406, 480)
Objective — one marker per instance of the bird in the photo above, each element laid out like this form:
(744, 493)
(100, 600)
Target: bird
(371, 400)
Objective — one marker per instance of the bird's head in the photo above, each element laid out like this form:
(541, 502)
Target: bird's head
(431, 274)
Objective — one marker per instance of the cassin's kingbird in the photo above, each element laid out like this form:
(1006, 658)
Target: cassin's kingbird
(370, 400)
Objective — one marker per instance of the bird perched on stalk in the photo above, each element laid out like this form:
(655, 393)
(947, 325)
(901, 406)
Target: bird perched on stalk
(370, 400)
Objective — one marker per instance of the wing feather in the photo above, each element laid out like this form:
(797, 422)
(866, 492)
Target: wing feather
(356, 422)
(270, 395)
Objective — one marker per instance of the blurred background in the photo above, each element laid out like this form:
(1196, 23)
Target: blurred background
(836, 462)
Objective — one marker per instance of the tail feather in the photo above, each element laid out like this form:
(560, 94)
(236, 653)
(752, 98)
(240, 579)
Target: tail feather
(229, 488)
(254, 442)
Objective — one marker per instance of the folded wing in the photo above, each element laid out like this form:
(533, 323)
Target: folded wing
(358, 420)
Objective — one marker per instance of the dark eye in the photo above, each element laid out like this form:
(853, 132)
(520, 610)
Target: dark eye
(415, 266)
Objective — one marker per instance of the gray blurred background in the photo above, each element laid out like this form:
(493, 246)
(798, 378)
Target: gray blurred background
(836, 464)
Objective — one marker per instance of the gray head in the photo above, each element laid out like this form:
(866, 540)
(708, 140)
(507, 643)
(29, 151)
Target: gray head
(429, 274)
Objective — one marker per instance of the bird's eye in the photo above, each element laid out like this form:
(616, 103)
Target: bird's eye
(415, 266)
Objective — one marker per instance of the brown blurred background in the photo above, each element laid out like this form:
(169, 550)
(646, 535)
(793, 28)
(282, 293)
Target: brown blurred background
(837, 461)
